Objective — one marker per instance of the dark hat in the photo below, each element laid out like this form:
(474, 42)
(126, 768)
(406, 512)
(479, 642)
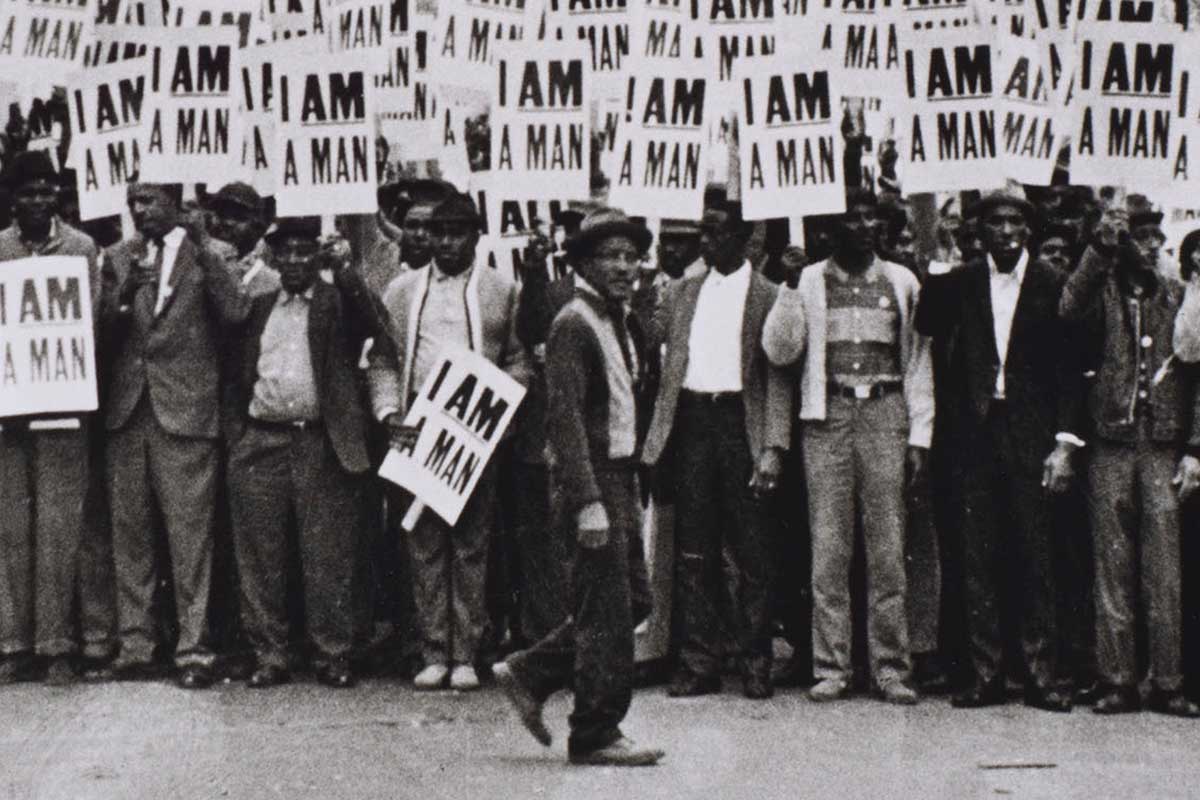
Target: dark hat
(1144, 217)
(571, 217)
(294, 228)
(678, 227)
(237, 194)
(457, 207)
(410, 191)
(29, 166)
(602, 223)
(1002, 197)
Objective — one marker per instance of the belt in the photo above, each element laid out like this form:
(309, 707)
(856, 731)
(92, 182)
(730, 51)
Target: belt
(295, 425)
(872, 391)
(711, 397)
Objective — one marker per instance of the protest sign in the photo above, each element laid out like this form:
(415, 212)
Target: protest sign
(1033, 75)
(508, 220)
(47, 341)
(468, 31)
(290, 19)
(1130, 102)
(790, 139)
(129, 12)
(733, 31)
(948, 131)
(540, 115)
(195, 133)
(44, 42)
(604, 26)
(663, 31)
(113, 43)
(324, 160)
(257, 108)
(109, 107)
(461, 412)
(662, 146)
(865, 41)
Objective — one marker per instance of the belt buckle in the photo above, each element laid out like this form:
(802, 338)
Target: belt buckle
(862, 391)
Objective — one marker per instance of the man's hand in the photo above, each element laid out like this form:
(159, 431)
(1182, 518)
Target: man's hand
(793, 261)
(917, 472)
(1187, 478)
(335, 254)
(1057, 469)
(1112, 228)
(766, 472)
(592, 521)
(533, 260)
(401, 436)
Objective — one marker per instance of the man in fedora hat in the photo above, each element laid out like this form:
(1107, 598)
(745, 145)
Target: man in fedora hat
(594, 371)
(452, 301)
(298, 449)
(53, 543)
(1013, 391)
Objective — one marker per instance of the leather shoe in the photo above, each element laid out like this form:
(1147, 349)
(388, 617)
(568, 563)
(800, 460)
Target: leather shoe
(689, 685)
(336, 677)
(1118, 700)
(981, 695)
(898, 693)
(1172, 703)
(59, 672)
(797, 672)
(528, 707)
(621, 753)
(15, 668)
(267, 676)
(195, 677)
(125, 670)
(757, 687)
(1047, 699)
(1087, 695)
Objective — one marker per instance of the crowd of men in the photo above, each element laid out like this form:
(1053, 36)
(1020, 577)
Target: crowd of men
(983, 461)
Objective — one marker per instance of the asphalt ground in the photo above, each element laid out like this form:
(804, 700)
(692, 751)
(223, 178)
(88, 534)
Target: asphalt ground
(384, 740)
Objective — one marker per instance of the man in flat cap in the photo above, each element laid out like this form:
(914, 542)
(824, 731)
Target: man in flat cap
(595, 370)
(1013, 395)
(1145, 457)
(451, 302)
(171, 302)
(298, 450)
(240, 218)
(54, 544)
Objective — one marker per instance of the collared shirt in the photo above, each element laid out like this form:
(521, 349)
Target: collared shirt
(46, 245)
(1005, 290)
(443, 321)
(714, 361)
(862, 327)
(171, 243)
(253, 273)
(286, 389)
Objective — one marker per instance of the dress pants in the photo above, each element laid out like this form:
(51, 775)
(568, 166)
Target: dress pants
(1135, 519)
(1007, 555)
(593, 647)
(54, 546)
(855, 459)
(150, 473)
(923, 575)
(718, 516)
(278, 475)
(450, 577)
(544, 554)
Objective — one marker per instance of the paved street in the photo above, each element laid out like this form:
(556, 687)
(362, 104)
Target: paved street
(151, 740)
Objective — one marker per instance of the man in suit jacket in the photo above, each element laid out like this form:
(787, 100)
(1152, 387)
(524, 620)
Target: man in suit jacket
(54, 543)
(453, 301)
(866, 389)
(299, 450)
(171, 300)
(1014, 392)
(721, 425)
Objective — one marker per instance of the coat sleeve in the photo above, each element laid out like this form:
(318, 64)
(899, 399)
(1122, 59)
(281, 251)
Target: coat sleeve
(1081, 294)
(918, 381)
(780, 399)
(570, 358)
(514, 359)
(939, 306)
(383, 363)
(227, 298)
(785, 332)
(1187, 323)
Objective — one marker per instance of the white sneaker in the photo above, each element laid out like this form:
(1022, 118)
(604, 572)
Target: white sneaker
(432, 677)
(464, 679)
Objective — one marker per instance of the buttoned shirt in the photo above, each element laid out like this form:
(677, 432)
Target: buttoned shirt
(1005, 291)
(443, 321)
(862, 337)
(286, 389)
(714, 361)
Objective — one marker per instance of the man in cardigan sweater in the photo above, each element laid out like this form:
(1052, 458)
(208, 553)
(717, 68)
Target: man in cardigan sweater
(867, 410)
(593, 376)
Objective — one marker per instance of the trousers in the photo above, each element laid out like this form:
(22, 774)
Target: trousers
(855, 460)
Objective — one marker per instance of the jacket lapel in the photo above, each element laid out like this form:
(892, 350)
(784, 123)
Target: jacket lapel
(685, 312)
(320, 320)
(752, 316)
(982, 294)
(1031, 295)
(184, 262)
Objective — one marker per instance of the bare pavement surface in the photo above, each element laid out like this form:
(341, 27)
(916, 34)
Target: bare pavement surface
(382, 740)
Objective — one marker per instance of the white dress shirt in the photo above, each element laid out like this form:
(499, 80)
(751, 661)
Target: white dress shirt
(714, 361)
(171, 243)
(1005, 289)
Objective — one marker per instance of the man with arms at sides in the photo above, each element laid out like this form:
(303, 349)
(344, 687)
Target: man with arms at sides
(299, 450)
(721, 425)
(866, 388)
(593, 375)
(451, 302)
(53, 545)
(1014, 395)
(172, 303)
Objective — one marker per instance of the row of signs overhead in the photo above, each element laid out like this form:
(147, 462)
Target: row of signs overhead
(292, 96)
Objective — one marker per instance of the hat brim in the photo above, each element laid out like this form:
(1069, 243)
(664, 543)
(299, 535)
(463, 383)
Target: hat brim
(987, 204)
(582, 242)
